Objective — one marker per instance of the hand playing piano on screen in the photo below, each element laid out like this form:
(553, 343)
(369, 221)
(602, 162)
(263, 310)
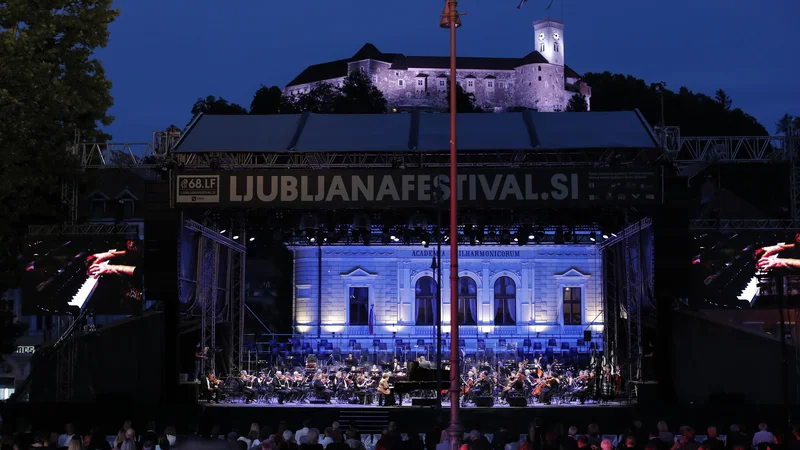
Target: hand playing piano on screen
(95, 270)
(766, 252)
(771, 262)
(97, 258)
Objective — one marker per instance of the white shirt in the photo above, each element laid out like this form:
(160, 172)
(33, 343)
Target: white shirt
(325, 441)
(300, 432)
(247, 441)
(762, 437)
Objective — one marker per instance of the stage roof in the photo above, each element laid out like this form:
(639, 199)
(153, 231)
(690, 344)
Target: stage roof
(424, 132)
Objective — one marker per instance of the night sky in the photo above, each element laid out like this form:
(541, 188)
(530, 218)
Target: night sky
(163, 55)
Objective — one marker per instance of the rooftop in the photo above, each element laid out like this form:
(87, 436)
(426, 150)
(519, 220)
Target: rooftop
(423, 132)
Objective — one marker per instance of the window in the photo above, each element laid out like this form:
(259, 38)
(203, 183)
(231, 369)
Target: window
(126, 208)
(540, 78)
(361, 69)
(505, 301)
(97, 207)
(541, 46)
(555, 46)
(470, 83)
(425, 300)
(467, 301)
(420, 83)
(399, 82)
(359, 306)
(490, 84)
(572, 306)
(442, 83)
(540, 68)
(374, 78)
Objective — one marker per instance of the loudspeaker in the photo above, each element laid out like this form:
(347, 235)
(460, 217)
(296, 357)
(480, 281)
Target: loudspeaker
(587, 335)
(517, 401)
(484, 401)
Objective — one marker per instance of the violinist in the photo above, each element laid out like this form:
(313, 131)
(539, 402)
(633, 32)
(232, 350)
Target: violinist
(514, 385)
(321, 390)
(211, 387)
(363, 389)
(247, 383)
(281, 386)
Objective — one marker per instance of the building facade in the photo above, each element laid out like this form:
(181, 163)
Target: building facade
(547, 294)
(540, 80)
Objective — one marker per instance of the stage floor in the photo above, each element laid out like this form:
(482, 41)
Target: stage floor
(407, 405)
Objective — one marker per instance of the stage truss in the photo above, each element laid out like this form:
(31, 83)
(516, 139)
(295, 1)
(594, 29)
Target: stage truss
(625, 293)
(216, 308)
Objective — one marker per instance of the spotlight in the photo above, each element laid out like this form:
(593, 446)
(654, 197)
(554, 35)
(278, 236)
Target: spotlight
(605, 236)
(593, 236)
(425, 243)
(252, 239)
(236, 237)
(531, 237)
(393, 237)
(223, 231)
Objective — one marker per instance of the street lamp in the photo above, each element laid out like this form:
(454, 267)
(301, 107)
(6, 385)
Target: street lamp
(451, 19)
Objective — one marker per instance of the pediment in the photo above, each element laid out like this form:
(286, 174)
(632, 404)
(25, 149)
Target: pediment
(97, 195)
(126, 194)
(358, 272)
(572, 273)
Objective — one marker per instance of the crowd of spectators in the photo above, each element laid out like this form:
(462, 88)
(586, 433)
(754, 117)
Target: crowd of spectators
(436, 437)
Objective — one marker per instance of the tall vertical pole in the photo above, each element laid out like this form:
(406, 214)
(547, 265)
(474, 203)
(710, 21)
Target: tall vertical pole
(786, 425)
(455, 388)
(439, 308)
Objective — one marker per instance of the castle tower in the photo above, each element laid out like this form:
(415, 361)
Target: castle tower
(549, 35)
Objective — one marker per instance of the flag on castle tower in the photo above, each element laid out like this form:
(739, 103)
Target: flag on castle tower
(522, 2)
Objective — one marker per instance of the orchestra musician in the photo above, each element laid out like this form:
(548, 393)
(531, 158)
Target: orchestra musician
(386, 398)
(211, 387)
(248, 390)
(321, 390)
(281, 387)
(513, 386)
(422, 363)
(350, 361)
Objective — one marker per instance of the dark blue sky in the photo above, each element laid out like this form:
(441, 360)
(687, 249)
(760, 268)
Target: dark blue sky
(165, 54)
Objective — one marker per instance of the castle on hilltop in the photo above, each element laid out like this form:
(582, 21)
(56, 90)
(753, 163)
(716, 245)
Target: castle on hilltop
(539, 81)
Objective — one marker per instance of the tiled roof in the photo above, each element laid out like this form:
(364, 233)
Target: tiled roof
(398, 61)
(415, 132)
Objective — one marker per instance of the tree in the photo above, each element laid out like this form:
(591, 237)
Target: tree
(695, 114)
(465, 101)
(722, 98)
(360, 96)
(788, 124)
(52, 88)
(323, 99)
(578, 103)
(219, 106)
(270, 100)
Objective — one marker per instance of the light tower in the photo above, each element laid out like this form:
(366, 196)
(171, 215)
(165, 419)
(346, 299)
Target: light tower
(549, 36)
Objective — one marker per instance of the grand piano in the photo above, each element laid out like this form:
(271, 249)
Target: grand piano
(422, 379)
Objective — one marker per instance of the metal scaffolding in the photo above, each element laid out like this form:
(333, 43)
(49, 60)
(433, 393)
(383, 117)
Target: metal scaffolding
(87, 229)
(231, 308)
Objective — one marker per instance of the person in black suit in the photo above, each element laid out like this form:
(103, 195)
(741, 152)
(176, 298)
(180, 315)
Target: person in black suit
(281, 386)
(321, 389)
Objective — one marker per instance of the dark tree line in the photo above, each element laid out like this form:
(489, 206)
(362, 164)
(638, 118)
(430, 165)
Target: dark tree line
(696, 114)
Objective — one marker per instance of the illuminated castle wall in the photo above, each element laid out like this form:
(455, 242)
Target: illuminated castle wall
(511, 292)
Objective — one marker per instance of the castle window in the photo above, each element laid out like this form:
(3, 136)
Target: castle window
(490, 84)
(420, 83)
(540, 78)
(400, 83)
(361, 69)
(555, 46)
(540, 68)
(442, 83)
(470, 84)
(374, 78)
(541, 46)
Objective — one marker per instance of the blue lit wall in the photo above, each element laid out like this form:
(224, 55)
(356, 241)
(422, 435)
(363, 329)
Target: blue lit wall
(540, 274)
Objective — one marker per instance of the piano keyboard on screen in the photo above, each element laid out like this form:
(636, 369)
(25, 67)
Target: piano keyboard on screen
(84, 293)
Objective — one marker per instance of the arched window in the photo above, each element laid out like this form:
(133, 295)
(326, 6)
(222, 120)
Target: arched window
(425, 300)
(541, 47)
(505, 301)
(555, 46)
(467, 301)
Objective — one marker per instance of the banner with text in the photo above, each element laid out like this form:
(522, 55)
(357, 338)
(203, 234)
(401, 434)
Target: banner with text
(342, 188)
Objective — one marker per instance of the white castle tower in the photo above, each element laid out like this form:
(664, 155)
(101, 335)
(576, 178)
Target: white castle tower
(549, 35)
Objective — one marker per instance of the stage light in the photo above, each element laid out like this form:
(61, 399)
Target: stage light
(425, 244)
(312, 239)
(516, 239)
(531, 237)
(223, 231)
(252, 239)
(593, 236)
(393, 237)
(235, 237)
(605, 236)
